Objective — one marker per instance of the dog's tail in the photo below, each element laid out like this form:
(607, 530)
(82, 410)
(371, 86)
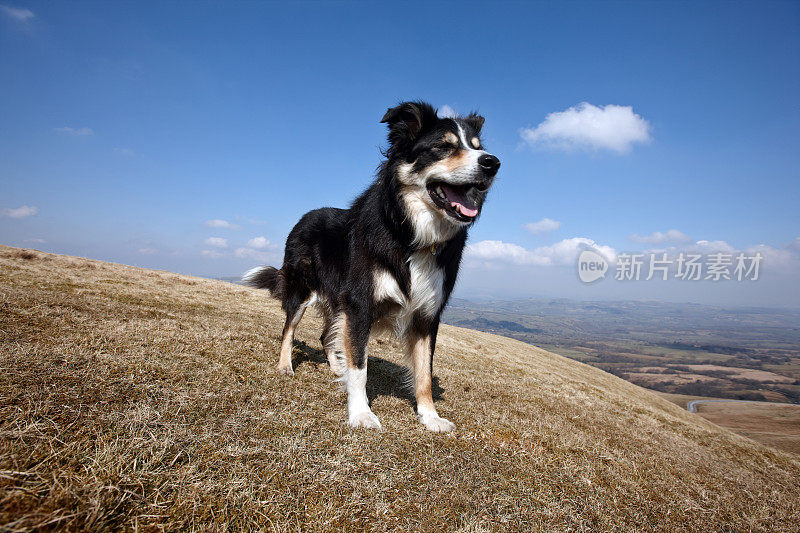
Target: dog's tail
(266, 277)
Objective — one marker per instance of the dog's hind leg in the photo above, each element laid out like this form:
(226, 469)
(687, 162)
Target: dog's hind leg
(331, 340)
(294, 313)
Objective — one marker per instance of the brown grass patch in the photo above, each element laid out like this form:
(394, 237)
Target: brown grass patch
(744, 373)
(771, 424)
(646, 379)
(21, 253)
(141, 399)
(776, 425)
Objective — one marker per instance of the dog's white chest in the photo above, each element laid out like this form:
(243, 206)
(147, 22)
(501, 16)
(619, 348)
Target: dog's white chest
(427, 280)
(425, 294)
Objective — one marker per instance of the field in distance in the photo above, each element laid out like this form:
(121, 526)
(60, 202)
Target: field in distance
(690, 349)
(773, 424)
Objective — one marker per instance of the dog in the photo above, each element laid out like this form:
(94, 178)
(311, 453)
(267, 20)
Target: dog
(390, 261)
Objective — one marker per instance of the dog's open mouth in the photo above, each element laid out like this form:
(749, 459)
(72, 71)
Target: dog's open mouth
(454, 199)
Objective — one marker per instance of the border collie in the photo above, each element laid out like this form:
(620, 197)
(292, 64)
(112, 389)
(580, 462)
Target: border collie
(391, 260)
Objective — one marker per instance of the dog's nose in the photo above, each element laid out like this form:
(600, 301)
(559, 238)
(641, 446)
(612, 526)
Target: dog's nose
(489, 164)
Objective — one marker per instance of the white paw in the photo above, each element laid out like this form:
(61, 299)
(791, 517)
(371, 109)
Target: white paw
(285, 370)
(364, 419)
(436, 423)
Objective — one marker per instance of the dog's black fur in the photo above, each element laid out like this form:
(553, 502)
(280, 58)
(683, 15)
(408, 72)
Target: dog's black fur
(333, 255)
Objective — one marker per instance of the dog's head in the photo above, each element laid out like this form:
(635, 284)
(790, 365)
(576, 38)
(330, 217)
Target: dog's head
(442, 170)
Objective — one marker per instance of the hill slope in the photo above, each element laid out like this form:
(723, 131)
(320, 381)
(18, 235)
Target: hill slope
(135, 398)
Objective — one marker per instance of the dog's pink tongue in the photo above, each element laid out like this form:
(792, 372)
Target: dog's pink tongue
(459, 200)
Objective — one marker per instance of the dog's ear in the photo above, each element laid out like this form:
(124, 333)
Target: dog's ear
(475, 120)
(408, 119)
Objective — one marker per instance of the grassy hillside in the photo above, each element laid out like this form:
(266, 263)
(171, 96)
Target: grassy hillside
(144, 399)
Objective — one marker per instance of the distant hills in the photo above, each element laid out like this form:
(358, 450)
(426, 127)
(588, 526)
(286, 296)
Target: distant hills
(741, 353)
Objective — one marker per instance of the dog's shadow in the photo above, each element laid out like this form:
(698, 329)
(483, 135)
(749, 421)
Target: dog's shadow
(384, 377)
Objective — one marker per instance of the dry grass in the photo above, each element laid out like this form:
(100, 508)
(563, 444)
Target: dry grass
(745, 373)
(772, 424)
(646, 379)
(147, 400)
(733, 372)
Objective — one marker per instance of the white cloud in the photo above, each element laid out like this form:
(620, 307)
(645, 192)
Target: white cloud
(588, 127)
(260, 242)
(446, 112)
(212, 254)
(20, 14)
(124, 151)
(775, 258)
(504, 251)
(785, 259)
(672, 235)
(701, 247)
(566, 252)
(217, 242)
(24, 211)
(258, 255)
(217, 223)
(77, 132)
(561, 253)
(707, 247)
(37, 241)
(148, 251)
(543, 226)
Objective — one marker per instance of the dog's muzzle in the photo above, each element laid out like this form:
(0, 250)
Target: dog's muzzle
(463, 201)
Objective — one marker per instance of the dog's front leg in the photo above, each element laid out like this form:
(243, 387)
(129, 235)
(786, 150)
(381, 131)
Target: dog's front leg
(356, 334)
(420, 352)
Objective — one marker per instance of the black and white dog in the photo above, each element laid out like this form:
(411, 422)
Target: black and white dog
(391, 260)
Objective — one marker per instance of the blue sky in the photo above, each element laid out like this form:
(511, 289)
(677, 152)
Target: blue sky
(126, 127)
